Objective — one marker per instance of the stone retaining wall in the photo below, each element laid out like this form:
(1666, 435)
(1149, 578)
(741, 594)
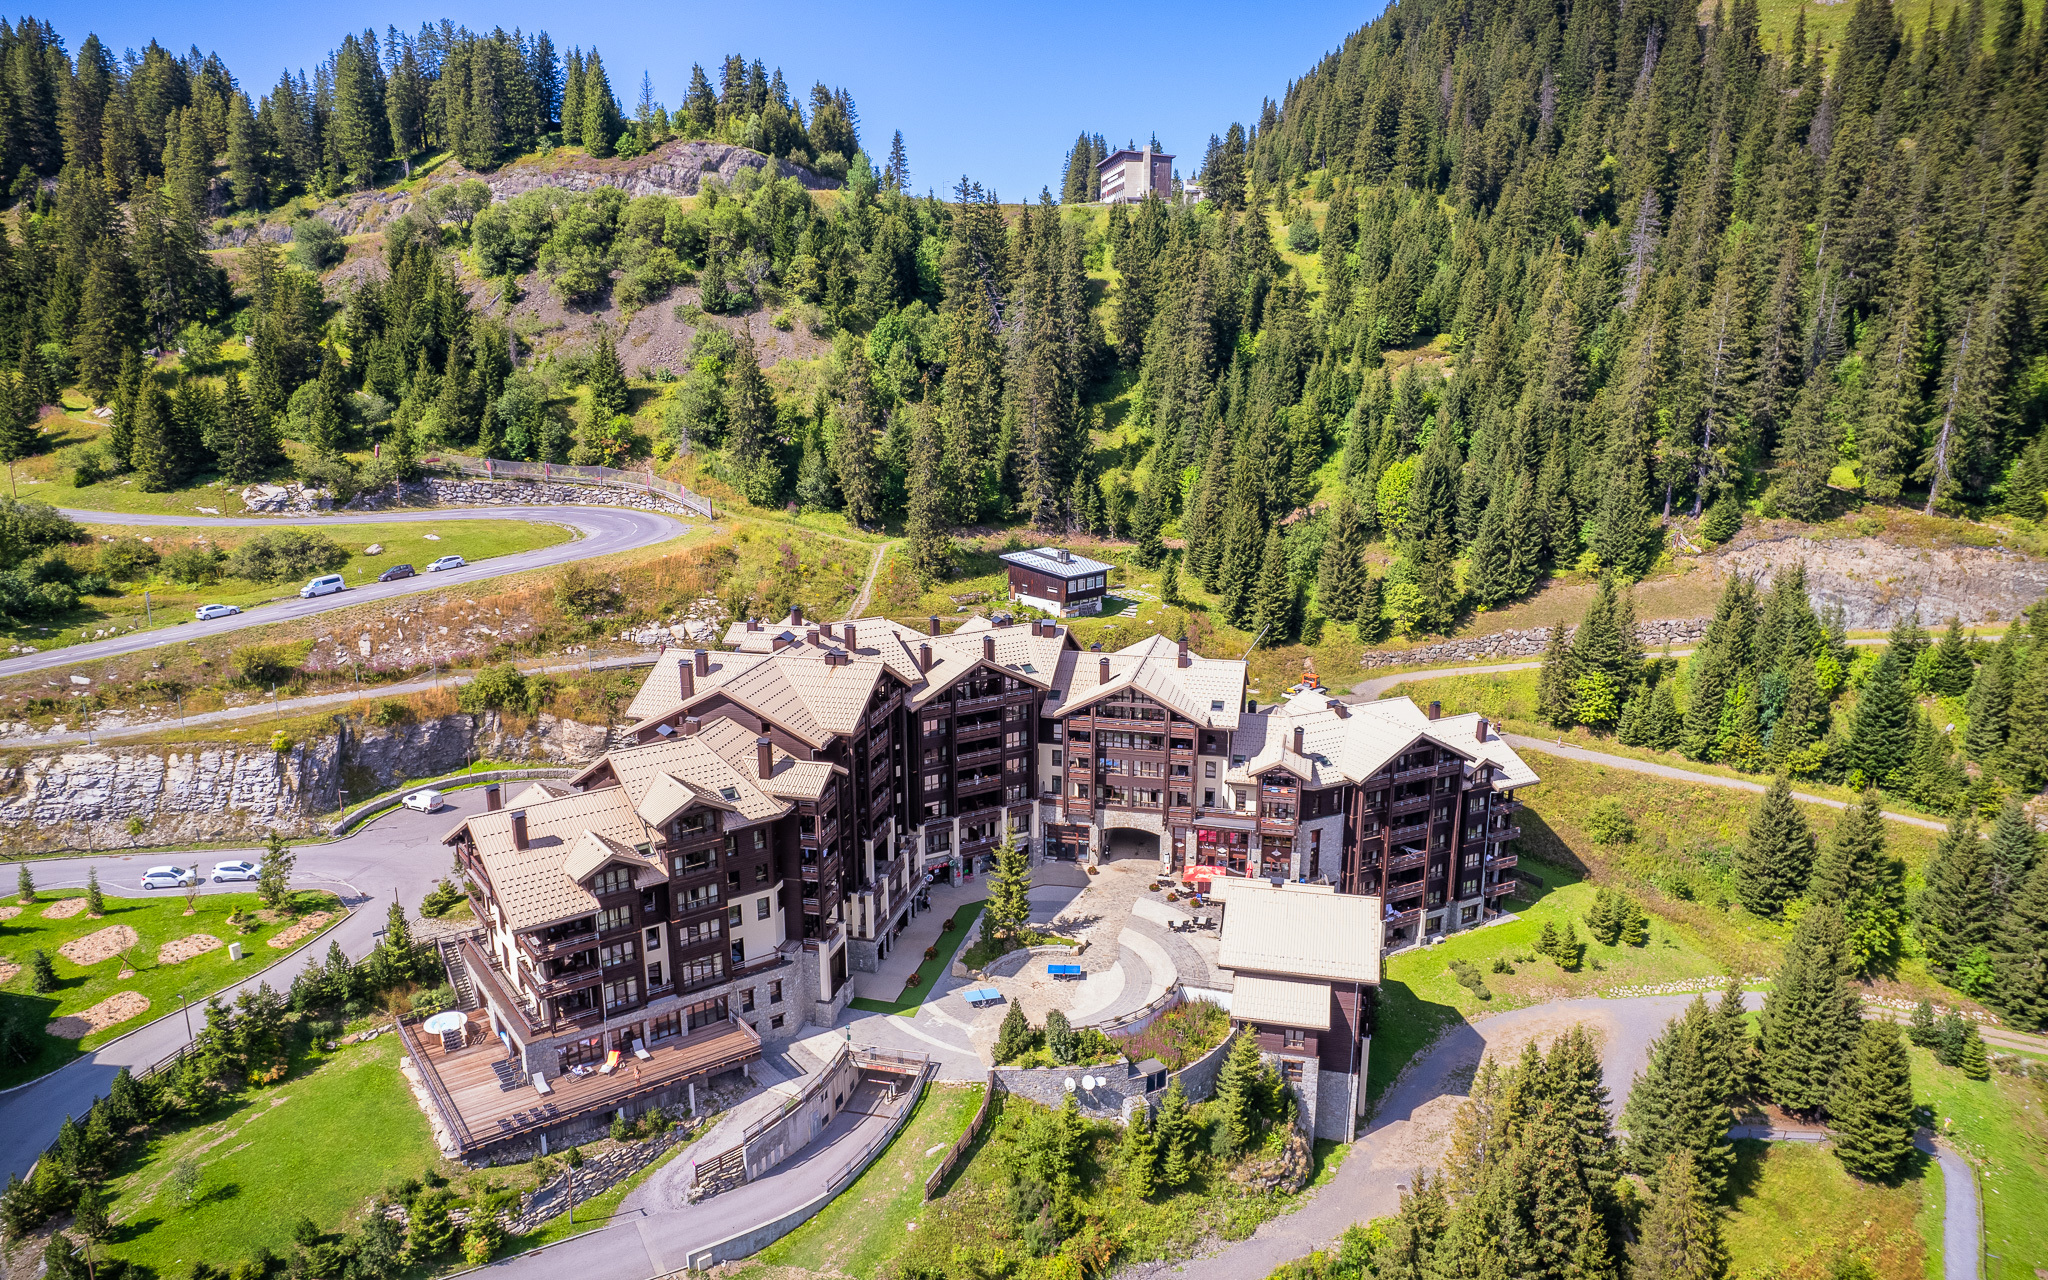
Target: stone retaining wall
(443, 491)
(1121, 1087)
(1528, 642)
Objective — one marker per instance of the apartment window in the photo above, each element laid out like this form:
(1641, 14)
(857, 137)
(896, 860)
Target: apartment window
(747, 1000)
(706, 1012)
(1291, 1071)
(654, 974)
(1209, 795)
(776, 1022)
(1208, 768)
(619, 994)
(697, 897)
(664, 1026)
(760, 873)
(690, 935)
(701, 970)
(617, 953)
(775, 995)
(614, 918)
(692, 862)
(732, 917)
(739, 952)
(761, 909)
(654, 939)
(1295, 1039)
(1081, 790)
(1055, 759)
(612, 880)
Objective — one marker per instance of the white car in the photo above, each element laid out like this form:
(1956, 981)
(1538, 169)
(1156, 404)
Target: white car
(208, 612)
(323, 586)
(226, 871)
(426, 800)
(447, 562)
(168, 878)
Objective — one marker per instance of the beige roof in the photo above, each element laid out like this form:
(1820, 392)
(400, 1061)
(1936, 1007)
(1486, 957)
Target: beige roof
(1018, 652)
(668, 795)
(692, 760)
(592, 851)
(1291, 1002)
(1354, 746)
(662, 691)
(1512, 770)
(533, 886)
(537, 792)
(1208, 691)
(788, 777)
(1291, 930)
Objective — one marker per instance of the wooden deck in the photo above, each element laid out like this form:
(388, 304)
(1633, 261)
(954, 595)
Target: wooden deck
(467, 1086)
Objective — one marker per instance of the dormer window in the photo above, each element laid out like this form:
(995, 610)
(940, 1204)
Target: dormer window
(612, 880)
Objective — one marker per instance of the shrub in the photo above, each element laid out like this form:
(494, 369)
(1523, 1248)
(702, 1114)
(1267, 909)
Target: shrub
(1722, 520)
(1501, 965)
(1610, 824)
(125, 559)
(505, 687)
(1302, 236)
(441, 899)
(196, 563)
(931, 953)
(316, 245)
(580, 594)
(89, 466)
(279, 555)
(260, 665)
(1178, 1036)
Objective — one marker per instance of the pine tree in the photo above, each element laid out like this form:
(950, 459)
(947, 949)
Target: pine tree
(931, 548)
(1239, 1087)
(1951, 668)
(1341, 570)
(1557, 683)
(1277, 597)
(1237, 573)
(1955, 913)
(251, 445)
(1807, 453)
(1680, 1238)
(95, 903)
(751, 445)
(1811, 1017)
(160, 463)
(44, 974)
(601, 121)
(1177, 1129)
(1990, 695)
(2019, 954)
(1776, 859)
(608, 395)
(1009, 888)
(24, 885)
(1881, 732)
(1856, 873)
(1140, 1154)
(1680, 1102)
(1169, 584)
(1871, 1112)
(1013, 1038)
(2012, 851)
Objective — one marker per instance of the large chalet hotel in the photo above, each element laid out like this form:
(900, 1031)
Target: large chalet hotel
(788, 797)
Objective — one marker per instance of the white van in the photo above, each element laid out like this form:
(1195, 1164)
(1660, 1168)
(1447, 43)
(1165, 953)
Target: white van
(323, 586)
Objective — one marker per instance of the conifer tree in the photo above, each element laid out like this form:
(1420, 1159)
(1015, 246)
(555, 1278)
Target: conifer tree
(251, 445)
(1776, 859)
(95, 903)
(1811, 1017)
(1881, 732)
(1239, 1090)
(1868, 884)
(1276, 595)
(1557, 683)
(1680, 1102)
(2011, 852)
(608, 395)
(2025, 758)
(1013, 1038)
(1169, 584)
(1955, 913)
(1951, 668)
(931, 547)
(1372, 610)
(750, 416)
(1238, 570)
(2019, 954)
(1140, 1154)
(1871, 1112)
(160, 461)
(601, 121)
(1341, 569)
(1807, 452)
(1680, 1237)
(1985, 707)
(1177, 1131)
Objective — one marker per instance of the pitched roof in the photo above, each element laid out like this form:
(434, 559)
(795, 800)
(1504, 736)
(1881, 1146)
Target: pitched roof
(1047, 560)
(1300, 931)
(1291, 1002)
(662, 691)
(695, 761)
(1208, 691)
(1360, 742)
(592, 851)
(533, 886)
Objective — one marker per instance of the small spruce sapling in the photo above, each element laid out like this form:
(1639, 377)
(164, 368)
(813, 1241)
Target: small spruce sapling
(95, 904)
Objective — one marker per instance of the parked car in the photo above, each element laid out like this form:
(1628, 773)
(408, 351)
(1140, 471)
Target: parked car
(395, 572)
(168, 878)
(321, 586)
(226, 871)
(447, 562)
(426, 800)
(208, 612)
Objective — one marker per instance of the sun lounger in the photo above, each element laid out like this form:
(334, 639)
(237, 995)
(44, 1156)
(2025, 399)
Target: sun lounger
(611, 1063)
(1065, 971)
(982, 996)
(541, 1085)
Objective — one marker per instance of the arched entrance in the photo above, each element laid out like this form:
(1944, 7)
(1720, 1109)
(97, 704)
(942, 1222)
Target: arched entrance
(1129, 842)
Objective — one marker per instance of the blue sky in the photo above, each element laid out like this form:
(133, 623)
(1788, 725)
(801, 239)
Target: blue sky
(997, 91)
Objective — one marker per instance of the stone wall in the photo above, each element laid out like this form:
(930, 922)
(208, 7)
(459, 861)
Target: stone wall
(86, 797)
(1120, 1086)
(1528, 642)
(462, 492)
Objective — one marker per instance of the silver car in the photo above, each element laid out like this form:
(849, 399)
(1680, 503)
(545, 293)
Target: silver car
(226, 871)
(169, 877)
(446, 562)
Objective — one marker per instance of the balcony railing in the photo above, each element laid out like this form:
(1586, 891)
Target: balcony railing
(574, 942)
(1403, 861)
(1508, 885)
(1414, 831)
(1501, 861)
(1404, 917)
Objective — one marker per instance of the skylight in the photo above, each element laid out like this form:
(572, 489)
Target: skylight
(729, 793)
(1215, 704)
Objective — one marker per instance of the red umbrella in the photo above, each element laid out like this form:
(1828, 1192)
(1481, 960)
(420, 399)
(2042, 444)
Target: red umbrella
(1203, 874)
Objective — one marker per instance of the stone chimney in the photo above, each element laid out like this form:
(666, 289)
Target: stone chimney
(1299, 734)
(1180, 657)
(1436, 710)
(494, 797)
(988, 648)
(703, 662)
(924, 657)
(519, 829)
(764, 756)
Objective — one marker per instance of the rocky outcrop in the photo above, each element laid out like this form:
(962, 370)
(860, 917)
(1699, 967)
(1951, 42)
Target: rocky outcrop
(438, 491)
(676, 169)
(286, 499)
(90, 797)
(1875, 583)
(1527, 643)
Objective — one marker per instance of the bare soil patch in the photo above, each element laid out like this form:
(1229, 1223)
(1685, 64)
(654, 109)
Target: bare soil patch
(178, 950)
(8, 913)
(302, 930)
(115, 1009)
(7, 971)
(64, 910)
(101, 945)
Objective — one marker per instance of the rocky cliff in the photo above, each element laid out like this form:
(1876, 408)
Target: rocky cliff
(1875, 582)
(95, 797)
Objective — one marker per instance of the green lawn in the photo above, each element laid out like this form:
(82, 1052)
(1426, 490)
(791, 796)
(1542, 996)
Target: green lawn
(319, 1144)
(930, 971)
(590, 1214)
(171, 603)
(867, 1224)
(2000, 1127)
(155, 922)
(1795, 1211)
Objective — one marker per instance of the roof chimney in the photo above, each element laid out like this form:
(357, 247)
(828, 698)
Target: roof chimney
(1343, 712)
(777, 645)
(988, 647)
(703, 660)
(924, 657)
(1181, 658)
(811, 637)
(1436, 710)
(1299, 733)
(494, 797)
(1479, 731)
(796, 615)
(825, 630)
(753, 624)
(932, 625)
(690, 726)
(689, 680)
(764, 756)
(1066, 556)
(847, 632)
(1103, 668)
(519, 829)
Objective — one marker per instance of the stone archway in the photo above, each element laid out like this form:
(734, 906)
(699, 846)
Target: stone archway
(1129, 842)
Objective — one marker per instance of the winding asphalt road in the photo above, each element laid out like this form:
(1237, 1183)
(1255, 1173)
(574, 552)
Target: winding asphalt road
(400, 852)
(599, 531)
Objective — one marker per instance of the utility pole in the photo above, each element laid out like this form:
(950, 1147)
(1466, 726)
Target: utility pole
(148, 618)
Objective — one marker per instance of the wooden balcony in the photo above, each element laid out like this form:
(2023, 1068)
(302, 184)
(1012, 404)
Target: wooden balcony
(1414, 831)
(1403, 861)
(1506, 886)
(1501, 861)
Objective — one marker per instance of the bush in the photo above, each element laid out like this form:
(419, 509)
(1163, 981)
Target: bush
(280, 555)
(336, 475)
(580, 594)
(1302, 236)
(1610, 824)
(1722, 520)
(197, 563)
(125, 559)
(316, 245)
(261, 665)
(505, 688)
(441, 899)
(90, 465)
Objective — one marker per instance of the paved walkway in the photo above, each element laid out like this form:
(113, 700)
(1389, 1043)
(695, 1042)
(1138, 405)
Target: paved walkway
(1962, 1224)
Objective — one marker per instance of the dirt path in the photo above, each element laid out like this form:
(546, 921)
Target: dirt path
(867, 588)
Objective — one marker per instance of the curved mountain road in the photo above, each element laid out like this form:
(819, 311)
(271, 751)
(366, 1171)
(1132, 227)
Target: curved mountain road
(599, 531)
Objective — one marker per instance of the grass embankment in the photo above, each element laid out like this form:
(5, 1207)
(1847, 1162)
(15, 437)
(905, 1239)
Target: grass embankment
(2000, 1126)
(130, 955)
(1794, 1211)
(868, 1223)
(930, 970)
(341, 1127)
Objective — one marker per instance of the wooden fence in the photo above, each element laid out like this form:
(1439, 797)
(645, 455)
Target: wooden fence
(966, 1140)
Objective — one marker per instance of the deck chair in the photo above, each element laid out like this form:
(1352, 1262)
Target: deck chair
(640, 1050)
(611, 1063)
(541, 1085)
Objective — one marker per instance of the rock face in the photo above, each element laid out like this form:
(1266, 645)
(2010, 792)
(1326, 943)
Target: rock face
(80, 798)
(292, 498)
(676, 169)
(435, 490)
(1875, 583)
(1529, 643)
